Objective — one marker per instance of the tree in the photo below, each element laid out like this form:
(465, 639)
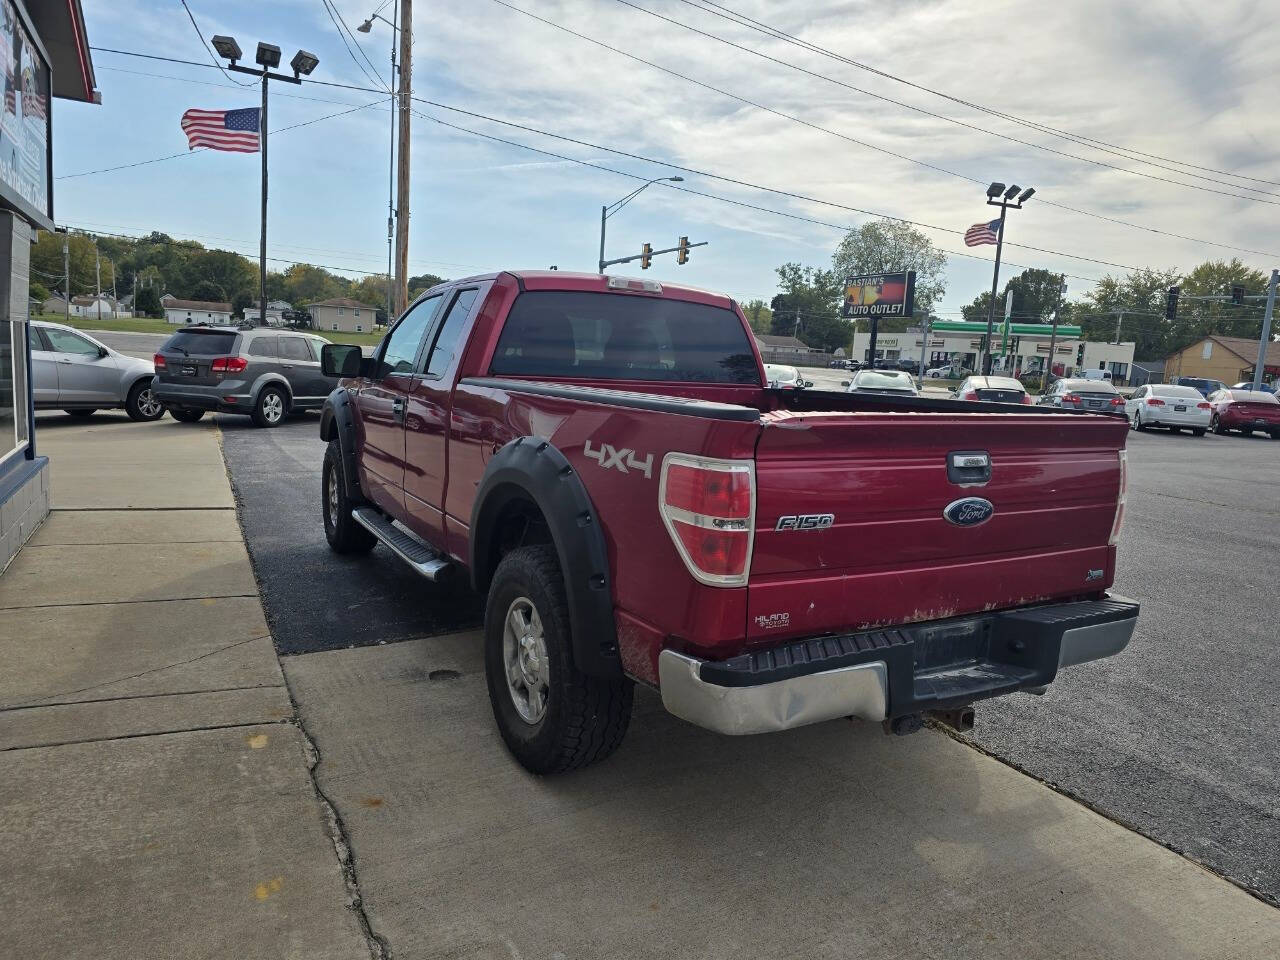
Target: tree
(304, 284)
(812, 297)
(208, 291)
(890, 246)
(1035, 292)
(38, 291)
(147, 303)
(422, 283)
(1142, 294)
(759, 316)
(1215, 278)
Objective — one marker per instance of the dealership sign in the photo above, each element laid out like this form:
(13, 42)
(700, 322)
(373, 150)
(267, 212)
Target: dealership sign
(879, 295)
(25, 119)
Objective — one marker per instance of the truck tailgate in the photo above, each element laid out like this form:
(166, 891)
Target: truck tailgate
(850, 525)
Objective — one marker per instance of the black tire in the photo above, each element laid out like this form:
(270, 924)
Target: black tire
(81, 413)
(272, 407)
(1215, 425)
(141, 404)
(1197, 431)
(584, 718)
(1137, 421)
(186, 416)
(344, 534)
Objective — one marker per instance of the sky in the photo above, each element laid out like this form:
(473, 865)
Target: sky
(1178, 80)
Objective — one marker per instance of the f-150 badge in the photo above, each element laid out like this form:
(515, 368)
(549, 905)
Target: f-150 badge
(805, 521)
(969, 511)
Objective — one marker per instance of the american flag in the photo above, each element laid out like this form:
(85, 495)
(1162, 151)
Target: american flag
(981, 233)
(234, 130)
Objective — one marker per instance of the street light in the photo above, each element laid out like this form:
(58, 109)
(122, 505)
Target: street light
(998, 196)
(611, 209)
(391, 161)
(267, 57)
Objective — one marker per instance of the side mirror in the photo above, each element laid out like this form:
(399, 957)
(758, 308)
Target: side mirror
(845, 383)
(103, 353)
(341, 360)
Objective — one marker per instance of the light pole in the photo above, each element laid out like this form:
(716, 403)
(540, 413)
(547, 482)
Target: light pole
(391, 158)
(267, 57)
(611, 209)
(998, 196)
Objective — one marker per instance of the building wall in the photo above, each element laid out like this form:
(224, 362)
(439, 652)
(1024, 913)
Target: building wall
(1220, 364)
(173, 315)
(344, 319)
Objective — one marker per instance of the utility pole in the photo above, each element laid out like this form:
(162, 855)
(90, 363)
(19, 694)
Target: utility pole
(402, 170)
(1266, 331)
(262, 240)
(1047, 373)
(112, 264)
(66, 269)
(924, 346)
(1119, 320)
(796, 332)
(134, 311)
(97, 283)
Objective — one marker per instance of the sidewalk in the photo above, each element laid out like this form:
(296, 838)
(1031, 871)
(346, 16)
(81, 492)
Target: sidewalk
(155, 797)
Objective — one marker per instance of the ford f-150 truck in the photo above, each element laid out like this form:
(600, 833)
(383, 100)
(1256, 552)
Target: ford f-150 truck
(603, 458)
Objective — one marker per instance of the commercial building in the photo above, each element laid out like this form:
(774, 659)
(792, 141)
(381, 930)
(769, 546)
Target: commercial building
(48, 56)
(342, 314)
(1229, 359)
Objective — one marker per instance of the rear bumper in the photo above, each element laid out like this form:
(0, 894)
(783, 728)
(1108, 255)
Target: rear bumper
(880, 674)
(233, 397)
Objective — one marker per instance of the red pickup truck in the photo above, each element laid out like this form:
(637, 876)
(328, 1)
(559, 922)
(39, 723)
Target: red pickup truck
(603, 458)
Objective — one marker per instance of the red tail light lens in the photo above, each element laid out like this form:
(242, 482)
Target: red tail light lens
(158, 360)
(229, 364)
(1204, 406)
(1118, 521)
(708, 507)
(1070, 398)
(1155, 402)
(1026, 398)
(970, 395)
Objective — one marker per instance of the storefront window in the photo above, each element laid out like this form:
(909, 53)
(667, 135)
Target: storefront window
(13, 388)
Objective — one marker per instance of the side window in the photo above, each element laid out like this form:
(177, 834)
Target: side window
(446, 344)
(64, 341)
(34, 338)
(262, 347)
(294, 348)
(401, 346)
(1139, 393)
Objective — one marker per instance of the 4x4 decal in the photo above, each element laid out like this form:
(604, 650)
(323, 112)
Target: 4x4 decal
(624, 459)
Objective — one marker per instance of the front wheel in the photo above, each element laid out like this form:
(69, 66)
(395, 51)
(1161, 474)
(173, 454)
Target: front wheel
(1137, 421)
(186, 416)
(1215, 425)
(271, 407)
(342, 531)
(1197, 431)
(141, 405)
(552, 717)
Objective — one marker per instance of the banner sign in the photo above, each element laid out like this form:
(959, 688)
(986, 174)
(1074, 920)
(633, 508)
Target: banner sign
(879, 295)
(25, 119)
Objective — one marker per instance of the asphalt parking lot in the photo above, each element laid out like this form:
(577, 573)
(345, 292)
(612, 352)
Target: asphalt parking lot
(1175, 738)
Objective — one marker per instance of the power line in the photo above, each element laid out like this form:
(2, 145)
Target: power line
(220, 86)
(943, 117)
(208, 50)
(339, 24)
(1129, 153)
(835, 133)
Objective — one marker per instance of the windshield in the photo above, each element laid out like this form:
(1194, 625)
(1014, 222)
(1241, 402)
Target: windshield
(998, 383)
(883, 380)
(611, 336)
(201, 342)
(781, 373)
(1087, 386)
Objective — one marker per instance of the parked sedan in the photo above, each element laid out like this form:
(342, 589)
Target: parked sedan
(997, 389)
(784, 377)
(1246, 411)
(1097, 396)
(1168, 405)
(71, 371)
(892, 382)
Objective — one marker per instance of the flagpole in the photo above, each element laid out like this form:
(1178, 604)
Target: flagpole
(262, 248)
(991, 310)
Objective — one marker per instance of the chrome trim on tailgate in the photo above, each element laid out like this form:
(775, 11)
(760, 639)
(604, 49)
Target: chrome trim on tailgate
(858, 691)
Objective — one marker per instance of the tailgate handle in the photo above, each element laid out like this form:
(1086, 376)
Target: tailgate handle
(969, 468)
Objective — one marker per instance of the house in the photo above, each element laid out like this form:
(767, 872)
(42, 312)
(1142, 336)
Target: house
(1229, 359)
(275, 312)
(340, 313)
(56, 304)
(194, 311)
(84, 306)
(782, 345)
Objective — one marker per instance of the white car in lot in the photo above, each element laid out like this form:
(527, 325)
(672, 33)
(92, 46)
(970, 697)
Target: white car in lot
(1170, 406)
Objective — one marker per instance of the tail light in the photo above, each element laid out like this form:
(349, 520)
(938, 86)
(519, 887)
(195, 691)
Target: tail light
(1026, 398)
(970, 395)
(1118, 522)
(229, 364)
(1119, 401)
(1071, 398)
(1155, 402)
(1203, 405)
(709, 507)
(158, 360)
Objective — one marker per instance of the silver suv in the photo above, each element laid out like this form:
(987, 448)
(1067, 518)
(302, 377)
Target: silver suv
(72, 371)
(262, 372)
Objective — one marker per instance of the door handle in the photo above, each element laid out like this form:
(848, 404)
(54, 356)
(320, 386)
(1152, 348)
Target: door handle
(397, 409)
(287, 366)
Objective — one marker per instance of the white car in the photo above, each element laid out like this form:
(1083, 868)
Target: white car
(890, 382)
(1168, 405)
(71, 371)
(783, 377)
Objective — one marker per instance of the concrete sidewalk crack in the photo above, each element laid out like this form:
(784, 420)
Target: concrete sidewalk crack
(138, 736)
(35, 705)
(116, 603)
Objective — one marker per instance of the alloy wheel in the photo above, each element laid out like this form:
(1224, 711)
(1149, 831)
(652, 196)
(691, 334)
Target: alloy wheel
(273, 407)
(148, 405)
(524, 656)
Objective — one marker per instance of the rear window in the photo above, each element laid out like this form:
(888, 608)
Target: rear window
(883, 379)
(1001, 383)
(1171, 390)
(609, 336)
(1253, 396)
(205, 343)
(1088, 386)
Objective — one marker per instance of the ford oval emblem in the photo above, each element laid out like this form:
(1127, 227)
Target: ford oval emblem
(969, 511)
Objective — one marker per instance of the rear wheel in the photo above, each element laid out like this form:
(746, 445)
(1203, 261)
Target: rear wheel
(81, 413)
(186, 416)
(342, 531)
(1215, 425)
(271, 407)
(141, 405)
(552, 717)
(1197, 431)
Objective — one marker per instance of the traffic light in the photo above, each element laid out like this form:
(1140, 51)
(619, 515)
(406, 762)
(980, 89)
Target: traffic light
(646, 254)
(1237, 294)
(682, 252)
(1171, 304)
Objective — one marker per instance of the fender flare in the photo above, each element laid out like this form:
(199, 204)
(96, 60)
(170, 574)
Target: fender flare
(338, 422)
(531, 468)
(270, 380)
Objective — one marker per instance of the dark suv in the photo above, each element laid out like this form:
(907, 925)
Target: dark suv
(259, 371)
